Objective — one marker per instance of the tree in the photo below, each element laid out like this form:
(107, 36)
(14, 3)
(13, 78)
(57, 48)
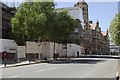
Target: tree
(30, 20)
(38, 21)
(115, 29)
(64, 26)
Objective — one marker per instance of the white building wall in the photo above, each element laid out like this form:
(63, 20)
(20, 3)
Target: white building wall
(59, 50)
(48, 49)
(20, 52)
(45, 49)
(74, 12)
(8, 45)
(32, 47)
(72, 50)
(77, 48)
(51, 50)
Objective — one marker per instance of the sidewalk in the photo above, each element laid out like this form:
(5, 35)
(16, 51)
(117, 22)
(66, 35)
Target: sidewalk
(31, 62)
(16, 64)
(119, 67)
(22, 63)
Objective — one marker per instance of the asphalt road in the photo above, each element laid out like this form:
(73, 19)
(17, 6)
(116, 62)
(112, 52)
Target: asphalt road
(76, 68)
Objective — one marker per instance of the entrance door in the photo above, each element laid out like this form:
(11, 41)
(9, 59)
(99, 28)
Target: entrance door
(77, 53)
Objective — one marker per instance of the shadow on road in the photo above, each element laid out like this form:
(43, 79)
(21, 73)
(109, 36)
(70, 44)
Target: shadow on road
(78, 61)
(9, 61)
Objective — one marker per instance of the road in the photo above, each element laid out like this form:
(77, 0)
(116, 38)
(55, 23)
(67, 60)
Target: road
(75, 68)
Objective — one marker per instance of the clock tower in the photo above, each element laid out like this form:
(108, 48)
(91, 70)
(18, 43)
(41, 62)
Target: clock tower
(84, 6)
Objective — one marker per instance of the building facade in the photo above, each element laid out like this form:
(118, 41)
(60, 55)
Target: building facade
(75, 13)
(8, 46)
(94, 41)
(6, 15)
(99, 40)
(87, 34)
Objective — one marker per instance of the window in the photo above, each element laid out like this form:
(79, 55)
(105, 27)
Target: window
(83, 9)
(76, 30)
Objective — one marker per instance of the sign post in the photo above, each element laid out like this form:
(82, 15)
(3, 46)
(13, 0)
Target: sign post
(119, 60)
(5, 59)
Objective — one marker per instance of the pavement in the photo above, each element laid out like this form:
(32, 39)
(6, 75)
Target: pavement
(12, 63)
(23, 63)
(17, 64)
(73, 68)
(91, 67)
(119, 67)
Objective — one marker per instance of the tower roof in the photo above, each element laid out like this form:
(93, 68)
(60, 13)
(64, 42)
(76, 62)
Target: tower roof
(104, 33)
(81, 1)
(97, 22)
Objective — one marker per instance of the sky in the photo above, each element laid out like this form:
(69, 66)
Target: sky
(102, 10)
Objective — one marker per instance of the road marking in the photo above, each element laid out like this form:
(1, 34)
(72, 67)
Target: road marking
(32, 72)
(14, 76)
(47, 69)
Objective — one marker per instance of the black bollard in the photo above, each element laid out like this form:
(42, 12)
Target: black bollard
(5, 59)
(5, 62)
(117, 78)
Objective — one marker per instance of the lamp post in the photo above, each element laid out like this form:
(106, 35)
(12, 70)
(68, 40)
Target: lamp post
(119, 50)
(5, 59)
(118, 62)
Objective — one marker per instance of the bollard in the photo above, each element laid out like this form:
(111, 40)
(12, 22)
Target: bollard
(117, 78)
(5, 62)
(5, 59)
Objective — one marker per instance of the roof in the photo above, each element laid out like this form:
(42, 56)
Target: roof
(92, 26)
(104, 33)
(68, 8)
(81, 1)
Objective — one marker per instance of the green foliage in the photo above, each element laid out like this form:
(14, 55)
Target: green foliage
(30, 20)
(115, 29)
(65, 25)
(40, 21)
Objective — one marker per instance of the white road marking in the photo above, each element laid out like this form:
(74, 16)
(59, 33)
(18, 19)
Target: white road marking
(47, 69)
(32, 72)
(14, 76)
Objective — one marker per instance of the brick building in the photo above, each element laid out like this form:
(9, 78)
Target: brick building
(94, 41)
(87, 34)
